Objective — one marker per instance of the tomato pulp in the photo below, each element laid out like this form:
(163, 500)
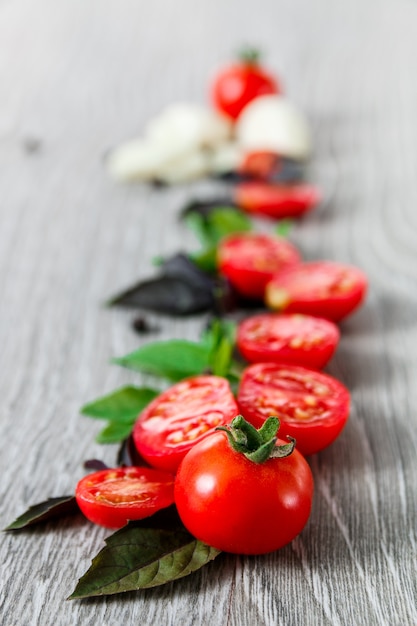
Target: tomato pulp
(112, 497)
(180, 417)
(313, 407)
(322, 288)
(287, 338)
(236, 505)
(250, 260)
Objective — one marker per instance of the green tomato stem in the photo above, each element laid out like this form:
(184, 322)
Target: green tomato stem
(249, 55)
(257, 445)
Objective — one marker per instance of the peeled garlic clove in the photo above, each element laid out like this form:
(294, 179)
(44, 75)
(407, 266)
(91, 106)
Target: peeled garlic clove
(274, 123)
(191, 124)
(225, 157)
(132, 160)
(189, 167)
(141, 159)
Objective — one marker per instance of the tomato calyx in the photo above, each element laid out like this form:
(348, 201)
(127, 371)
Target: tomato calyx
(257, 445)
(249, 55)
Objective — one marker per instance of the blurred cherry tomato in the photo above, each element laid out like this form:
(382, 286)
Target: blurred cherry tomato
(287, 338)
(260, 164)
(323, 288)
(276, 200)
(238, 84)
(250, 260)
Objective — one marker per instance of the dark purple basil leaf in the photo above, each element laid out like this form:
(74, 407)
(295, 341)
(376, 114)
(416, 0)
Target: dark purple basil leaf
(180, 265)
(289, 171)
(53, 508)
(128, 455)
(164, 518)
(231, 176)
(173, 295)
(137, 557)
(286, 171)
(181, 288)
(95, 464)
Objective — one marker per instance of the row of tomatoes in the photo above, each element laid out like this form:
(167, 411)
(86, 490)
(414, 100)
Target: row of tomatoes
(224, 499)
(194, 445)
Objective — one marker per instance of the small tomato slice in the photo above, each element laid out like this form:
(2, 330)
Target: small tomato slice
(238, 506)
(323, 288)
(112, 497)
(313, 407)
(180, 417)
(260, 164)
(250, 260)
(287, 338)
(276, 200)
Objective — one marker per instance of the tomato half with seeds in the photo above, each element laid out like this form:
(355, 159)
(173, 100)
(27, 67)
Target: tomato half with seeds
(312, 406)
(250, 260)
(112, 497)
(180, 417)
(287, 338)
(276, 201)
(323, 288)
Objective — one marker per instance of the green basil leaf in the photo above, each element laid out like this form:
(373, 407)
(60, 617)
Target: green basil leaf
(138, 558)
(218, 223)
(174, 360)
(218, 330)
(220, 341)
(224, 221)
(221, 357)
(198, 224)
(115, 432)
(52, 508)
(122, 405)
(284, 227)
(206, 260)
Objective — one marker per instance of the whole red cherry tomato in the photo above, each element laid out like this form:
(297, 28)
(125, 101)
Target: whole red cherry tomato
(287, 338)
(238, 84)
(180, 417)
(112, 497)
(250, 260)
(276, 200)
(237, 505)
(323, 288)
(312, 406)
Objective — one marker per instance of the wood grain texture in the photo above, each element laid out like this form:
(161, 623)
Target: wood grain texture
(78, 76)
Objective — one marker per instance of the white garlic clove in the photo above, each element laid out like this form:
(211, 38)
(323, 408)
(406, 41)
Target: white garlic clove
(274, 123)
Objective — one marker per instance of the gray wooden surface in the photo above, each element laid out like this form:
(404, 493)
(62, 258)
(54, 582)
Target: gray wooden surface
(77, 77)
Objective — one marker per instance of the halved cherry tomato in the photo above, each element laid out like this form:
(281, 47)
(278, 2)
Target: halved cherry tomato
(235, 505)
(112, 497)
(250, 260)
(260, 164)
(323, 288)
(236, 85)
(287, 338)
(180, 417)
(312, 406)
(276, 200)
